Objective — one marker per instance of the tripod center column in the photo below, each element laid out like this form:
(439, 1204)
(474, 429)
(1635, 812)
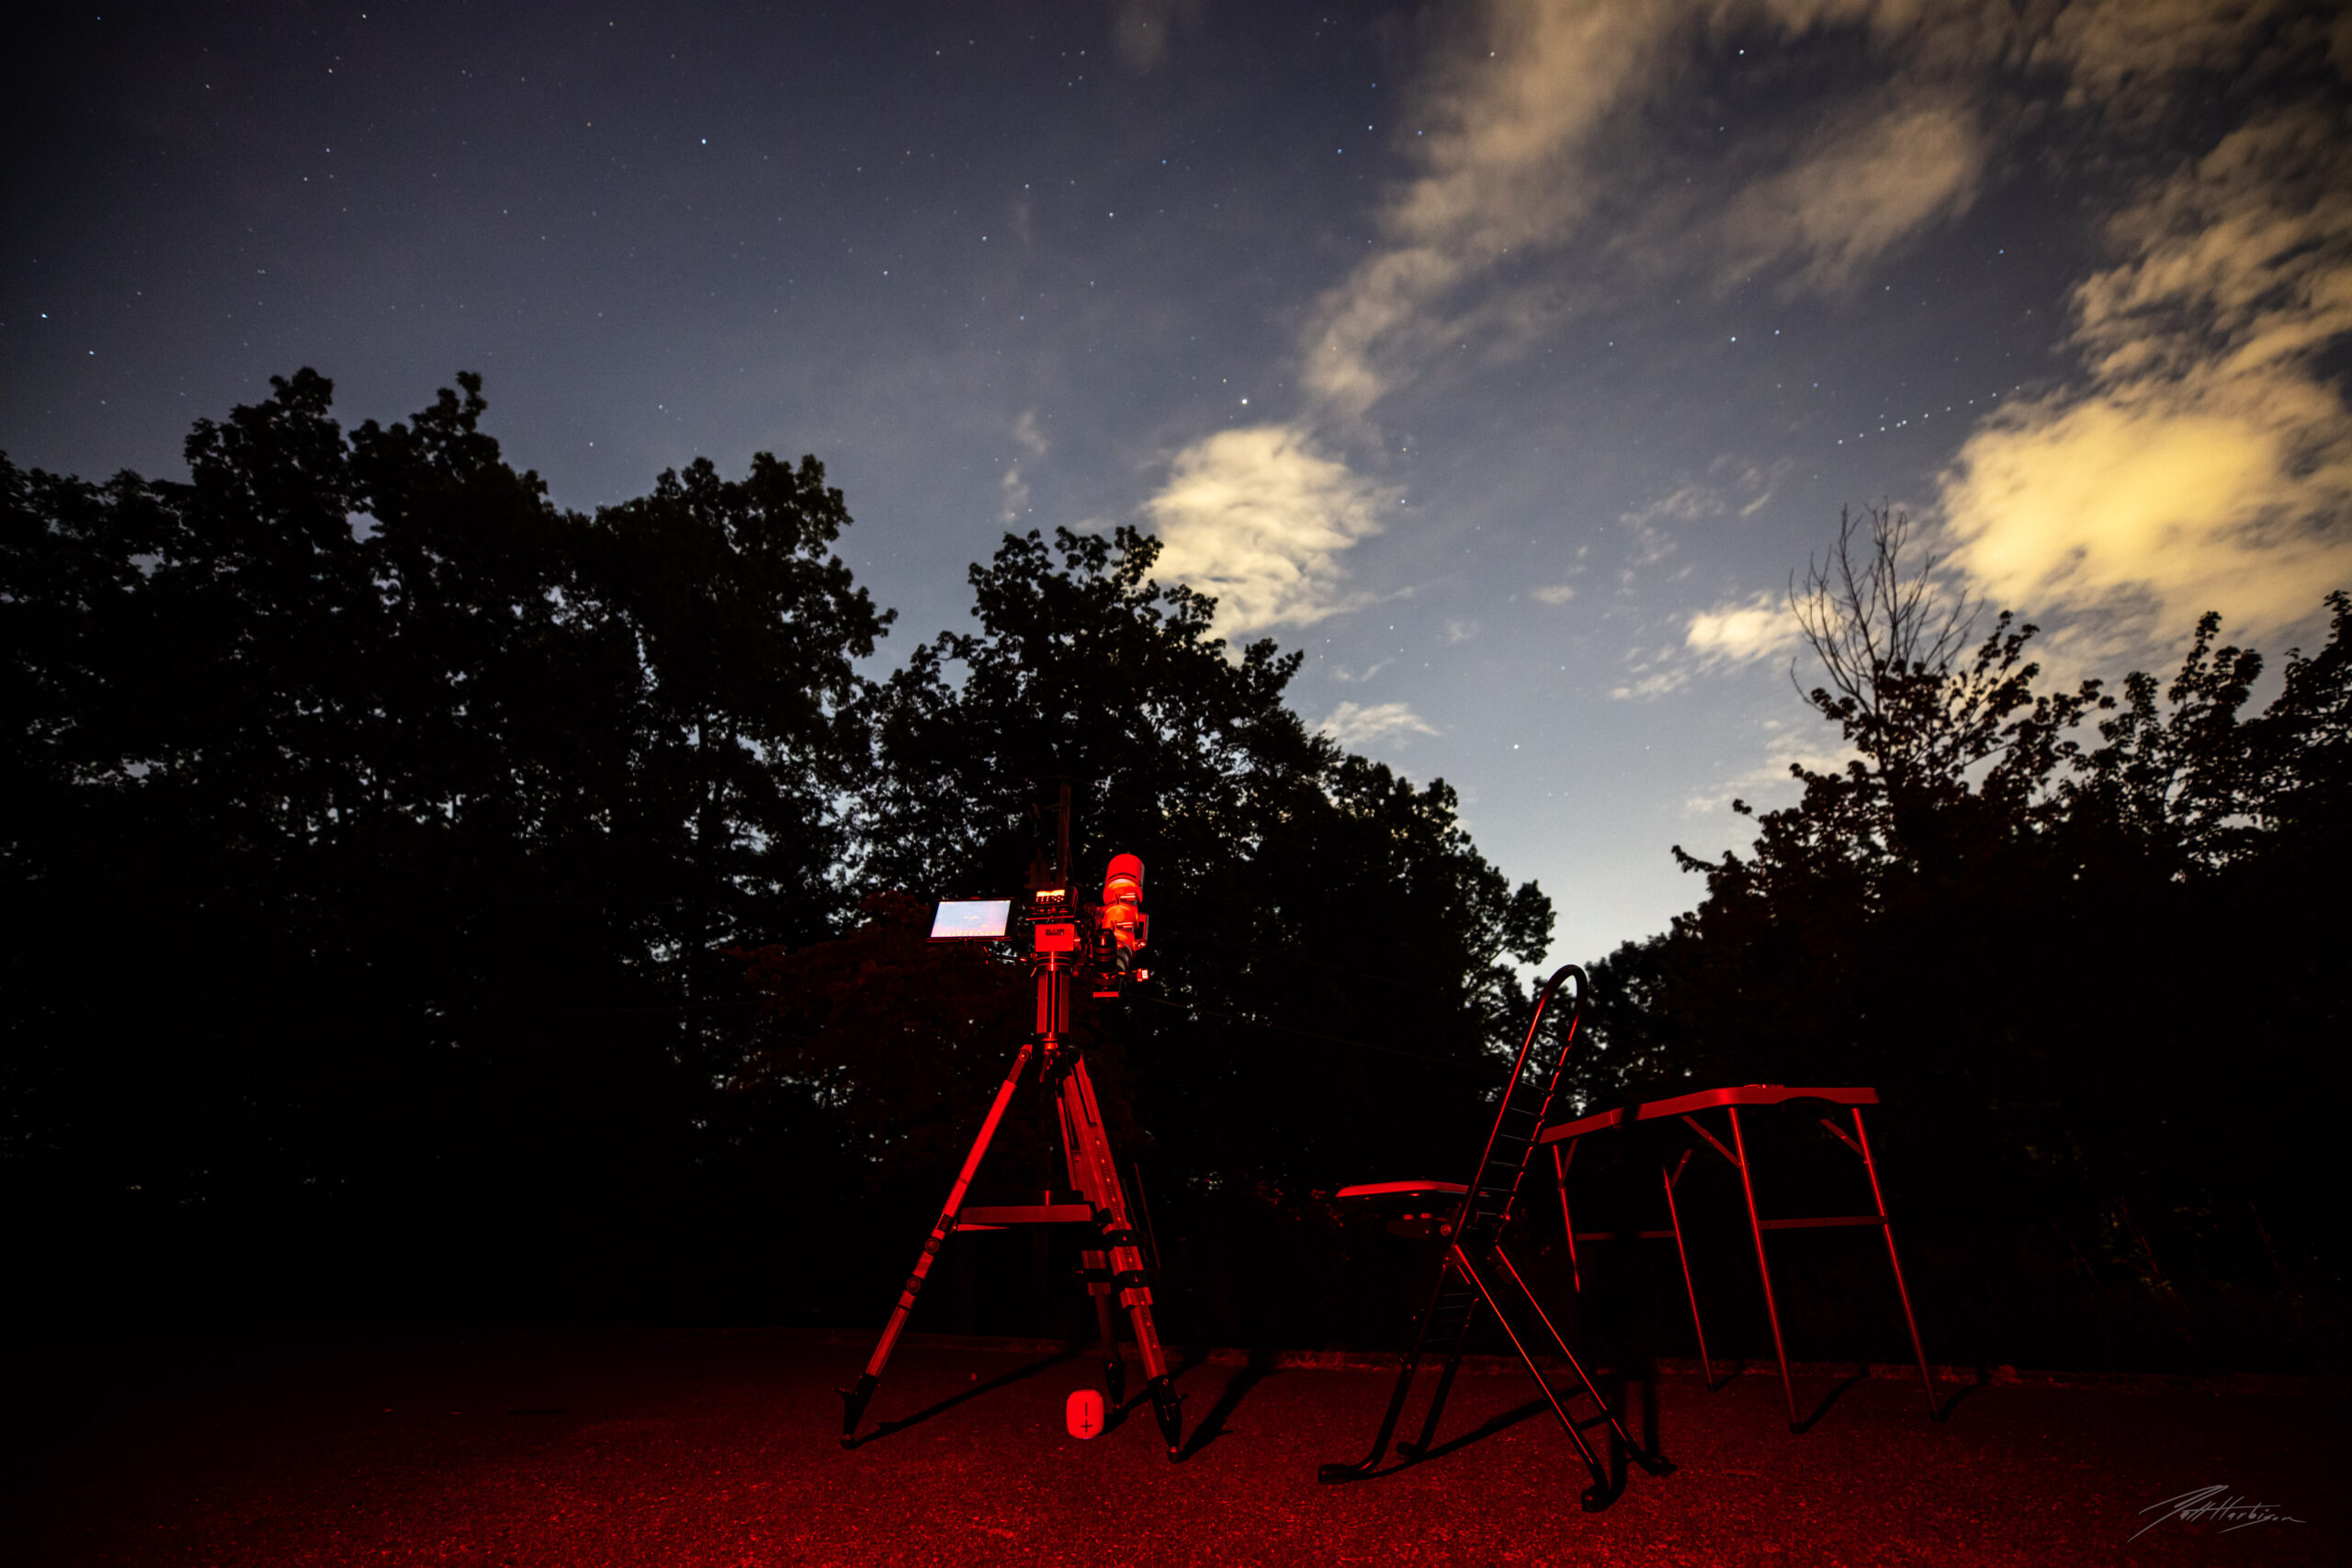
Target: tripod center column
(1053, 1002)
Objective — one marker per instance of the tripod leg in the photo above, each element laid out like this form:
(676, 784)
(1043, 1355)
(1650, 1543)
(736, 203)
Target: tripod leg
(853, 1398)
(1115, 1371)
(1096, 1267)
(1091, 1160)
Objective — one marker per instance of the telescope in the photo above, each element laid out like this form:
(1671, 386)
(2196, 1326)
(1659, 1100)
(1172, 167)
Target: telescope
(1102, 942)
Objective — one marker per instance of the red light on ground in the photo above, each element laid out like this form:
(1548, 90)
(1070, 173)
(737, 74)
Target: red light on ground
(1083, 1412)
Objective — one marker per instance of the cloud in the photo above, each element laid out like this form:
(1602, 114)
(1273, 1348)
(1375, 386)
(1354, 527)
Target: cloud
(1555, 594)
(1810, 747)
(2128, 60)
(1652, 679)
(1743, 632)
(1745, 490)
(1853, 197)
(1142, 30)
(1686, 504)
(1501, 130)
(1353, 727)
(1544, 124)
(1737, 632)
(1258, 517)
(1032, 440)
(2207, 461)
(1534, 125)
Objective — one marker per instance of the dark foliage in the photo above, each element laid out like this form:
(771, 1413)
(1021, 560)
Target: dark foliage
(389, 844)
(2096, 982)
(375, 823)
(399, 864)
(1333, 957)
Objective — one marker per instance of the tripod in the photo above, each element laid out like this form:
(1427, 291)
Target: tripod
(1114, 1263)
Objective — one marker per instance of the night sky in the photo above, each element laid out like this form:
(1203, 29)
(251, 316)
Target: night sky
(1506, 359)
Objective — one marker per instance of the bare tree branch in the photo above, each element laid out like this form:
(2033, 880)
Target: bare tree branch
(1870, 615)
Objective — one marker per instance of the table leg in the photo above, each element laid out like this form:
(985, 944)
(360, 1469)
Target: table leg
(1886, 1228)
(1763, 1266)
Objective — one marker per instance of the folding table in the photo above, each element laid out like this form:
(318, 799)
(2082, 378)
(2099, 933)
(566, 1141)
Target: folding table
(1565, 1137)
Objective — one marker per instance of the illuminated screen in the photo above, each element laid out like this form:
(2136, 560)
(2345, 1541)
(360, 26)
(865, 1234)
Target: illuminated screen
(972, 918)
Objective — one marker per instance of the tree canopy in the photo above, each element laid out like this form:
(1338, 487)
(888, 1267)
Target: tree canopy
(379, 820)
(397, 845)
(424, 898)
(1335, 958)
(2079, 939)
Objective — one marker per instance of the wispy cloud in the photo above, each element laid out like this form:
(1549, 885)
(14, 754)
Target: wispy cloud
(1736, 633)
(1354, 725)
(1142, 30)
(1536, 123)
(1856, 195)
(2196, 457)
(1259, 518)
(1031, 438)
(1686, 503)
(1732, 487)
(1653, 677)
(1743, 631)
(1811, 746)
(1502, 127)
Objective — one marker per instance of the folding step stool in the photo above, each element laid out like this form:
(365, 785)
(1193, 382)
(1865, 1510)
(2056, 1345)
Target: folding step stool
(1467, 1278)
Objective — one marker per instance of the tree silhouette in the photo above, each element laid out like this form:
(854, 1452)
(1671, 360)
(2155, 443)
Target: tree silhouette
(380, 821)
(1334, 958)
(2088, 979)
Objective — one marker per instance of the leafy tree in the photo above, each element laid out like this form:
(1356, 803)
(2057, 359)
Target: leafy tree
(380, 818)
(1333, 957)
(2031, 945)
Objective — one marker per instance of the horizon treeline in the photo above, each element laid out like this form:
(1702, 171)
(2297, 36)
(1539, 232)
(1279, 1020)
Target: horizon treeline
(427, 902)
(393, 848)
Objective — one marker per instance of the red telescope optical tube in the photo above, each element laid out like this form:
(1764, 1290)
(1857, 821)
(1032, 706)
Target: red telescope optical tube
(1121, 911)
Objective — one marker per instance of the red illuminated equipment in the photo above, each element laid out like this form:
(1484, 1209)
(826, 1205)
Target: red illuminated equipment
(1121, 918)
(1067, 942)
(1564, 1138)
(1475, 1272)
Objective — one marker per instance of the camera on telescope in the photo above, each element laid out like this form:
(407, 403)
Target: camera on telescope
(1106, 937)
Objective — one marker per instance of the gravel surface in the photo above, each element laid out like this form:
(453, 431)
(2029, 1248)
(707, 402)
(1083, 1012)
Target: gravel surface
(584, 1448)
